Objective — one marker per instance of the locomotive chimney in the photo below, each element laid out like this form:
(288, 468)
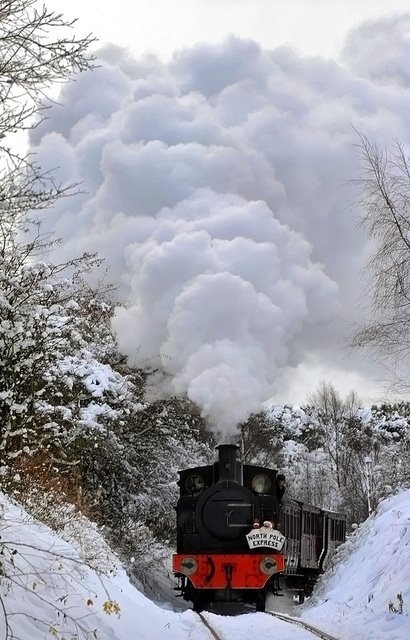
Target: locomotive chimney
(229, 465)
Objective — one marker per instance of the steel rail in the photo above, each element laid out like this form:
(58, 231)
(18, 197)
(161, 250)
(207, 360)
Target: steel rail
(300, 623)
(211, 630)
(296, 621)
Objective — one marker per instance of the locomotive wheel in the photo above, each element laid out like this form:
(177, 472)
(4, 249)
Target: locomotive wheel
(260, 602)
(199, 604)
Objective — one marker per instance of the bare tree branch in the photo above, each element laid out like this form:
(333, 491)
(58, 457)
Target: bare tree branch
(385, 201)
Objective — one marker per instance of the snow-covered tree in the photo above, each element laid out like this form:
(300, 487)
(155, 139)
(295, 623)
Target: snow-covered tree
(39, 48)
(39, 324)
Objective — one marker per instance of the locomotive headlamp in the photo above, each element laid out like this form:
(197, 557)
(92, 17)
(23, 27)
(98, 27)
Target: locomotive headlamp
(189, 566)
(261, 483)
(268, 566)
(194, 484)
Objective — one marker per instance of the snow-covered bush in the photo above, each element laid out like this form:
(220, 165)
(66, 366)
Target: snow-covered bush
(73, 527)
(133, 477)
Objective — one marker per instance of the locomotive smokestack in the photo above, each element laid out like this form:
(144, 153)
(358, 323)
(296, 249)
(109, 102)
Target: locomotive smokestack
(229, 464)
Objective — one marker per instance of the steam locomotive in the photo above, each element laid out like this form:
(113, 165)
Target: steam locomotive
(239, 538)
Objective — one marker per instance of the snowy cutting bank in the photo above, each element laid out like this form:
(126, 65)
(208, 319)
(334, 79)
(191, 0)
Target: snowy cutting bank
(50, 592)
(366, 594)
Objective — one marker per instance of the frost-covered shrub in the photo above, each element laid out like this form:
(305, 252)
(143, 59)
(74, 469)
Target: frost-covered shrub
(133, 477)
(38, 326)
(73, 527)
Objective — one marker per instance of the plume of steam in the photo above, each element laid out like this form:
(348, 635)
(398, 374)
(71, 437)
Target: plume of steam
(213, 187)
(219, 288)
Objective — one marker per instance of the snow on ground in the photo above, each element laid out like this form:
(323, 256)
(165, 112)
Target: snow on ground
(372, 568)
(51, 593)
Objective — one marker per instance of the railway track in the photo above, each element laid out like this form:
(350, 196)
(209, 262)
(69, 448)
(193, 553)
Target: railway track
(211, 630)
(304, 625)
(296, 621)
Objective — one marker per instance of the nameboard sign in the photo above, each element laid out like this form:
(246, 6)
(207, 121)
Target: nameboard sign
(264, 537)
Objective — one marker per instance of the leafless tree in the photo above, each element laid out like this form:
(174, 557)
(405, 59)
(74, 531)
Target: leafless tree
(347, 442)
(261, 441)
(38, 49)
(334, 416)
(385, 201)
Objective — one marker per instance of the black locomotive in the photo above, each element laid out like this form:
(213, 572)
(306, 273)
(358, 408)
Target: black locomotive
(239, 539)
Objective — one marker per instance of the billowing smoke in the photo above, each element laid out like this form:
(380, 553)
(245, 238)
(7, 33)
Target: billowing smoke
(380, 49)
(219, 289)
(216, 191)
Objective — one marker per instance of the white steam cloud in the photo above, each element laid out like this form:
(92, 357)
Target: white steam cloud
(215, 192)
(219, 289)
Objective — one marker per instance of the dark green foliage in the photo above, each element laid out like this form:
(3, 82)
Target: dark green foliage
(128, 477)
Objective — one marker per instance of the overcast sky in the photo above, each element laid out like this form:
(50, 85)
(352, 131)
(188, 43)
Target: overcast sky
(315, 27)
(216, 181)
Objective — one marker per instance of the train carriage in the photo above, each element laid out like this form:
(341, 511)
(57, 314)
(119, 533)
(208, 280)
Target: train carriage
(334, 533)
